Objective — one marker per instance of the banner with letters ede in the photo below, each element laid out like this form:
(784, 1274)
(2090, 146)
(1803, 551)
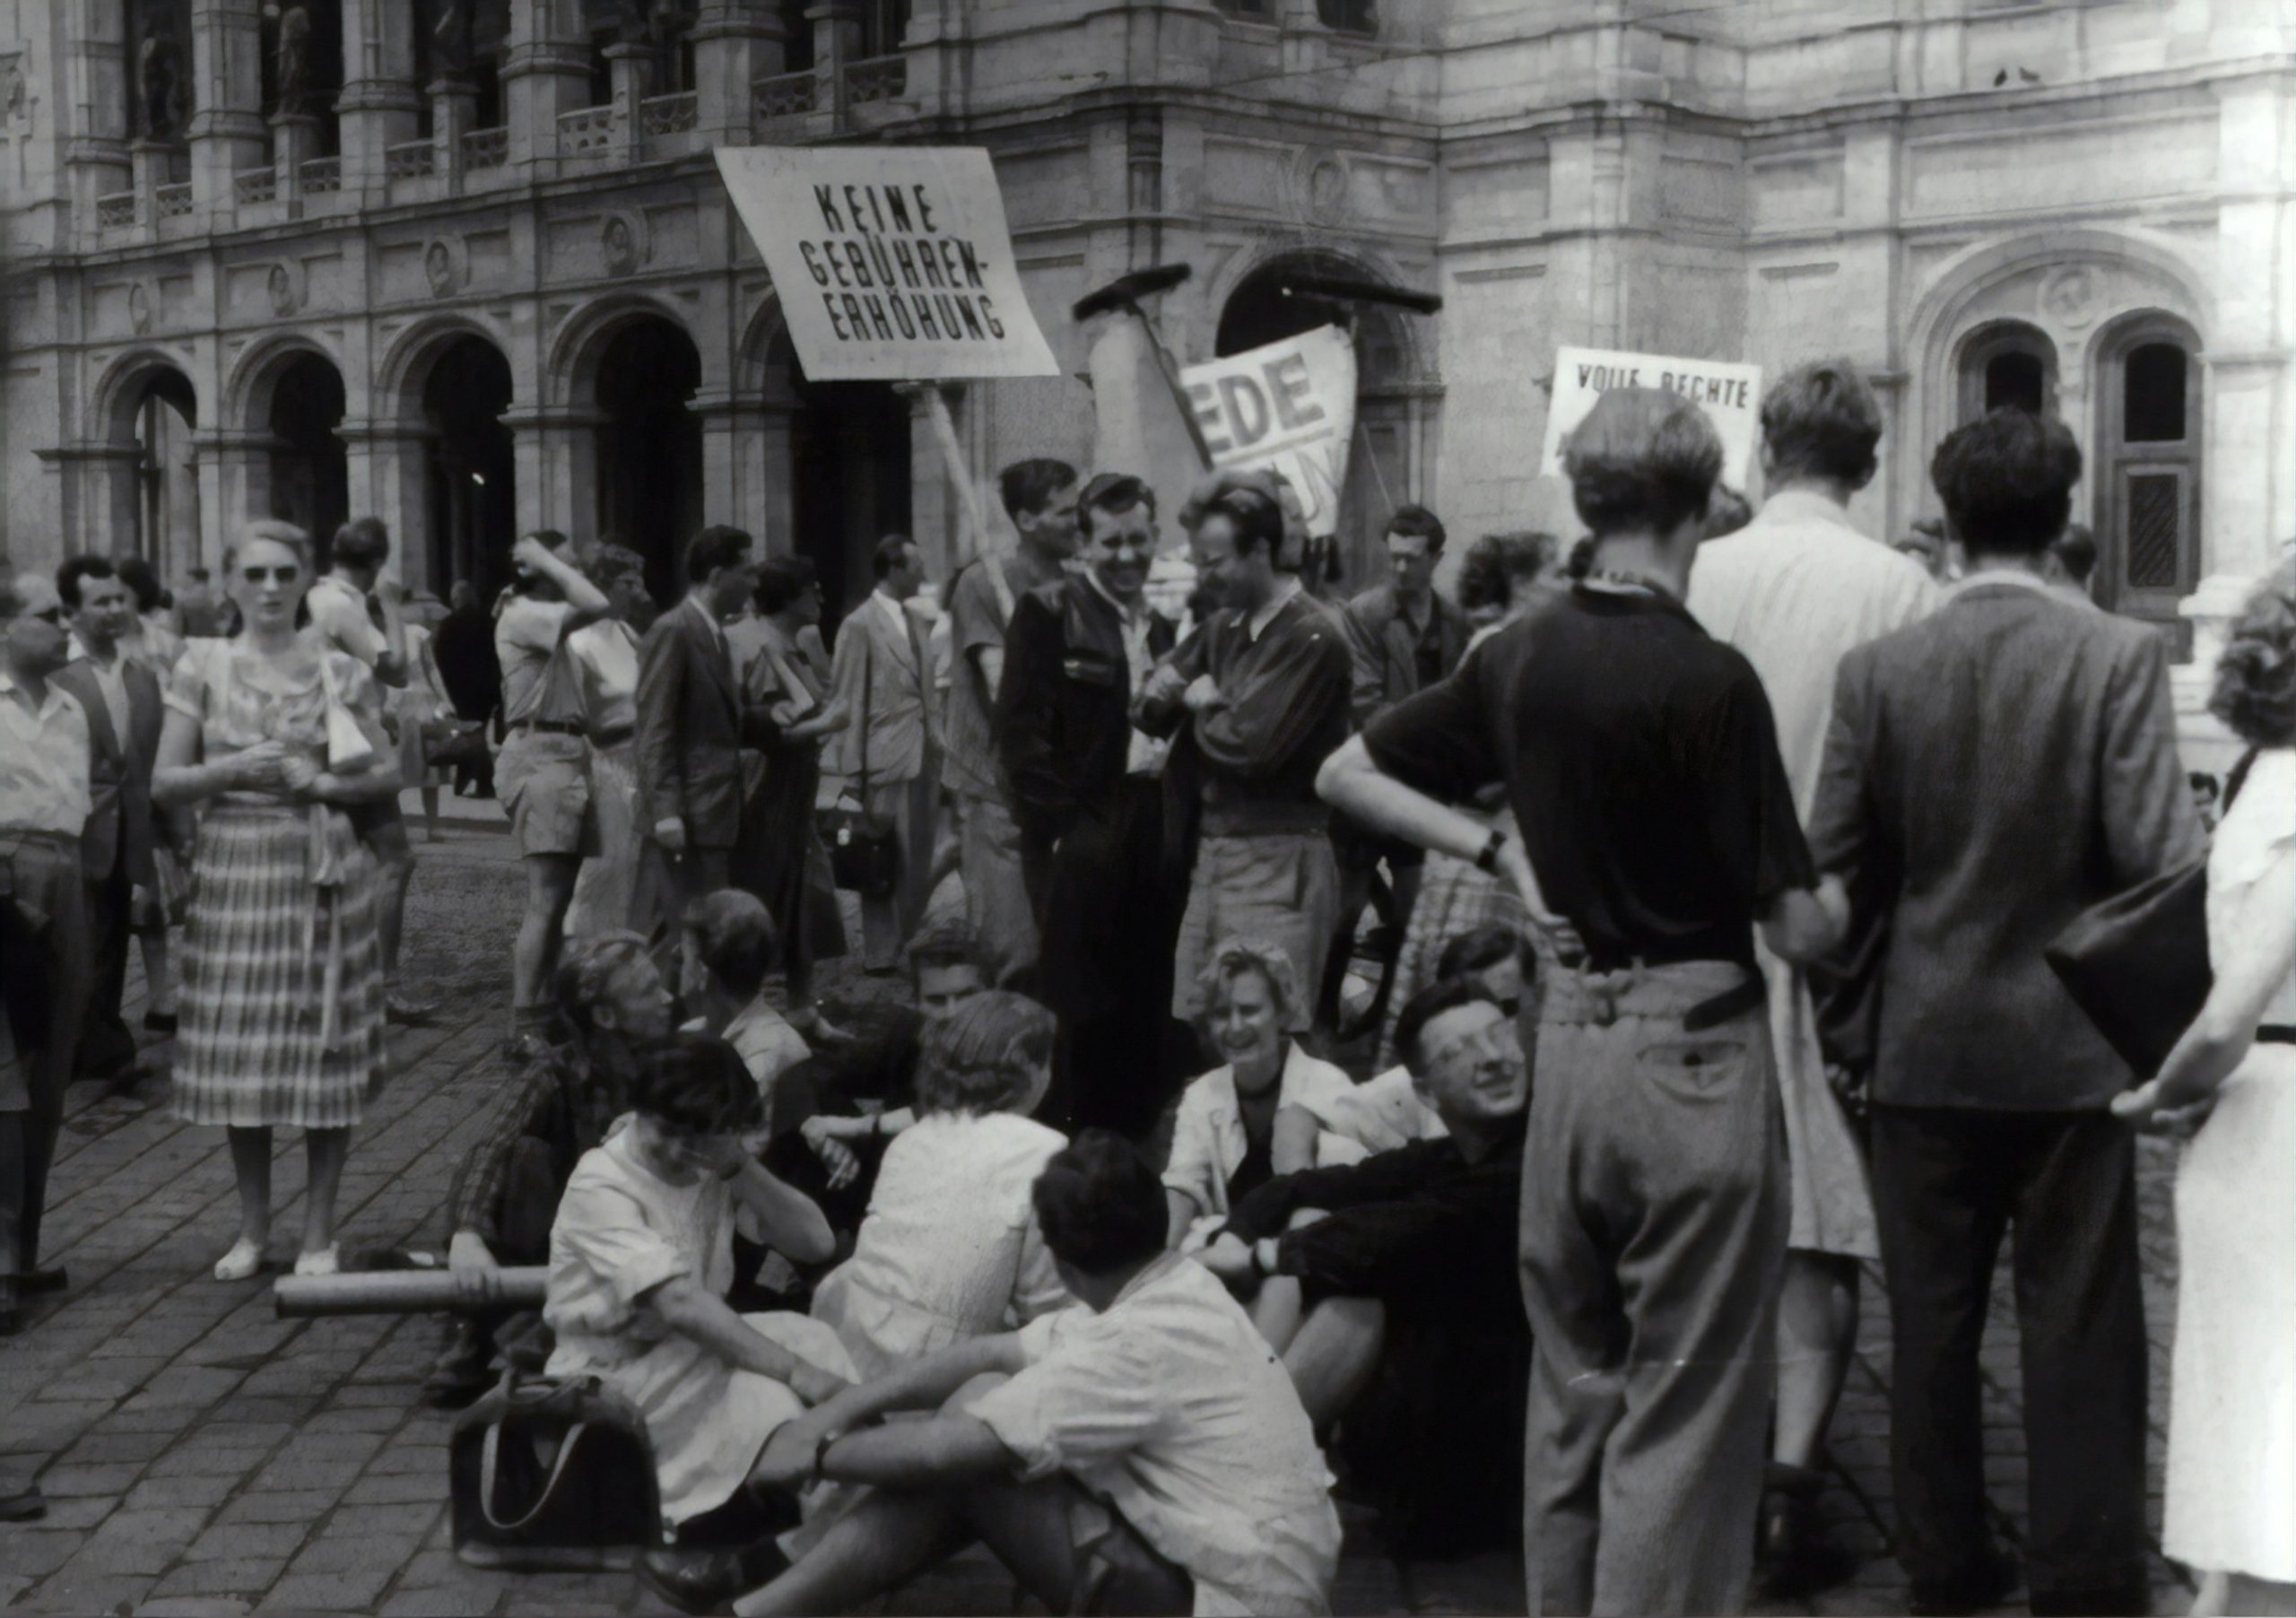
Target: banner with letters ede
(1288, 407)
(893, 263)
(1731, 395)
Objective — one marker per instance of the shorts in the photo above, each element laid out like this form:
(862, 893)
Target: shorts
(542, 779)
(1113, 1558)
(1279, 887)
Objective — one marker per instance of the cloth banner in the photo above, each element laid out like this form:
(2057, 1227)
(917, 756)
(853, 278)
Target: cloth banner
(893, 263)
(1140, 426)
(1289, 407)
(1731, 395)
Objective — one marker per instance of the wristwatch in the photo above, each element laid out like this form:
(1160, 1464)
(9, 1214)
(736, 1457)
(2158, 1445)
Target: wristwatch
(1265, 1256)
(1487, 862)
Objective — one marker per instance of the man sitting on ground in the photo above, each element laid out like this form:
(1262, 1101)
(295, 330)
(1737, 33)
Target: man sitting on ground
(1387, 1112)
(1143, 1454)
(1414, 1337)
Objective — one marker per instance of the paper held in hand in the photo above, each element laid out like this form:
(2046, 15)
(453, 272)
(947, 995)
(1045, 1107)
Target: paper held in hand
(1287, 407)
(893, 263)
(1731, 395)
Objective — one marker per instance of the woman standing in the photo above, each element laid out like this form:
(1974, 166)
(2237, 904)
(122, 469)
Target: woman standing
(604, 659)
(780, 858)
(1502, 577)
(2231, 1490)
(283, 982)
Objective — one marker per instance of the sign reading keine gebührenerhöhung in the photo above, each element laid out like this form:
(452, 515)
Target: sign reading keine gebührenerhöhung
(1288, 407)
(892, 263)
(1731, 395)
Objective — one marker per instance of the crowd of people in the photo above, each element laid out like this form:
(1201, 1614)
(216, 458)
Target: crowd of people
(1717, 856)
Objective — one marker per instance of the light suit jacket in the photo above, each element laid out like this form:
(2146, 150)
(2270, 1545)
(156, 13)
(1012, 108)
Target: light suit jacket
(888, 711)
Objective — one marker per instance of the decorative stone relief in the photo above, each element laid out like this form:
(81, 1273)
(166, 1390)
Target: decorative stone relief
(1319, 185)
(623, 245)
(439, 268)
(2072, 297)
(279, 286)
(139, 309)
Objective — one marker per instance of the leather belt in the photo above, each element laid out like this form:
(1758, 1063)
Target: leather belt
(1730, 1002)
(613, 738)
(2276, 1033)
(553, 727)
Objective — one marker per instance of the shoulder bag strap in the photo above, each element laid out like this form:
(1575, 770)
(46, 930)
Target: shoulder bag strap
(489, 1461)
(867, 653)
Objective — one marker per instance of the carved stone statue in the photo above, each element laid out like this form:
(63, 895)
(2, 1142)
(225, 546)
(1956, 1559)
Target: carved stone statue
(294, 61)
(159, 60)
(450, 40)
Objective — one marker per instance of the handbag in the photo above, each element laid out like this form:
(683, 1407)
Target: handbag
(553, 1476)
(864, 848)
(349, 748)
(2137, 963)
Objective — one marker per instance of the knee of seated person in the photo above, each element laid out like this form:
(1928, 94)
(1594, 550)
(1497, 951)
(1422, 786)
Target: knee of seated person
(965, 1397)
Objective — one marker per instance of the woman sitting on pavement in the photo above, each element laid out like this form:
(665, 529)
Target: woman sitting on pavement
(951, 1247)
(1271, 1111)
(1143, 1454)
(640, 1259)
(726, 949)
(610, 1000)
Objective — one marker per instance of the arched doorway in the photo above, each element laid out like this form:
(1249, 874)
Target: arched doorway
(650, 446)
(310, 483)
(849, 479)
(2147, 472)
(470, 469)
(1265, 308)
(167, 474)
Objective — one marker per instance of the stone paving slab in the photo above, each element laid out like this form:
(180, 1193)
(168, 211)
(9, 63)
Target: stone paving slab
(200, 1457)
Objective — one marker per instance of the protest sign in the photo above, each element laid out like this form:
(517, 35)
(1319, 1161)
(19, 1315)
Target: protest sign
(893, 263)
(1731, 395)
(1289, 407)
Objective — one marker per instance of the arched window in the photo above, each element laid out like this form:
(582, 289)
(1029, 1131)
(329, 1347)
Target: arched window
(2011, 364)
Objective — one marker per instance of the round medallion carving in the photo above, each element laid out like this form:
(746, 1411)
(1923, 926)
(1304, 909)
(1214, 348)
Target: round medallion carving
(2074, 296)
(139, 309)
(439, 268)
(279, 284)
(622, 245)
(1320, 180)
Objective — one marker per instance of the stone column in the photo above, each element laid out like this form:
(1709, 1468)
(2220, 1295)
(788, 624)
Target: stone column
(226, 127)
(454, 110)
(234, 483)
(632, 67)
(384, 461)
(379, 107)
(735, 44)
(88, 90)
(102, 496)
(149, 162)
(836, 41)
(546, 71)
(736, 487)
(557, 453)
(294, 140)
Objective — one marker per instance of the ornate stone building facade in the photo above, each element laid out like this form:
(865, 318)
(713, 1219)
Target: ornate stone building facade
(468, 266)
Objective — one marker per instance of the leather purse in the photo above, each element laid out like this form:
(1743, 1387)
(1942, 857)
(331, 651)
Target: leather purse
(2137, 964)
(553, 1476)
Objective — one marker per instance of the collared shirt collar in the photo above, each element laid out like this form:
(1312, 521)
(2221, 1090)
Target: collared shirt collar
(57, 696)
(82, 652)
(1137, 610)
(1803, 506)
(2017, 577)
(892, 609)
(1286, 588)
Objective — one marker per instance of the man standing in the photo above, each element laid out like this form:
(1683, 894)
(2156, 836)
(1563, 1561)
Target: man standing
(1263, 690)
(1642, 766)
(44, 805)
(880, 675)
(692, 724)
(204, 615)
(1794, 591)
(1990, 773)
(463, 646)
(1040, 498)
(119, 848)
(341, 615)
(1088, 792)
(1403, 635)
(543, 770)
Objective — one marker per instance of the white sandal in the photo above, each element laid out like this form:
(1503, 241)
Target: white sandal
(241, 1263)
(321, 1263)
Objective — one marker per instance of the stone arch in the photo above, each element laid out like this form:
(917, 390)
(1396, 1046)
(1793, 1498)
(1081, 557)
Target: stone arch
(1311, 253)
(118, 392)
(406, 364)
(248, 387)
(570, 376)
(755, 361)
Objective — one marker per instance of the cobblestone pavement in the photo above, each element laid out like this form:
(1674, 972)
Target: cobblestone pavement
(200, 1457)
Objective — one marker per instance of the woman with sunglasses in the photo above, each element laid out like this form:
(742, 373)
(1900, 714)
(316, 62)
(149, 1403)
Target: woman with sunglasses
(282, 1014)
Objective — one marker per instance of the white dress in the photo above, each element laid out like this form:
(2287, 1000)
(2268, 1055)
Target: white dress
(2231, 1487)
(950, 1248)
(621, 1232)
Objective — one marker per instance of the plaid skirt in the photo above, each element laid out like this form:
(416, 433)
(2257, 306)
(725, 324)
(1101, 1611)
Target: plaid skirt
(254, 1048)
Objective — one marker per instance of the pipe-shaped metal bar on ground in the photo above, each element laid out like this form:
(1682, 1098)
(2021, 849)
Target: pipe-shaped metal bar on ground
(409, 1292)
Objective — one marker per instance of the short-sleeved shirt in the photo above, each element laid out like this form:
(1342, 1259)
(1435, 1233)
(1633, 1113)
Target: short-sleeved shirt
(524, 635)
(1171, 1407)
(606, 666)
(1642, 764)
(339, 614)
(976, 621)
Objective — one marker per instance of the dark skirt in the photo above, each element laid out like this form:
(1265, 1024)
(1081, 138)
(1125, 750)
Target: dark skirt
(779, 858)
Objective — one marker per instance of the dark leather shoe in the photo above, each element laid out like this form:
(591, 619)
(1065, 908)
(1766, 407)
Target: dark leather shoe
(32, 1283)
(692, 1581)
(1797, 1558)
(25, 1505)
(1990, 1583)
(465, 1369)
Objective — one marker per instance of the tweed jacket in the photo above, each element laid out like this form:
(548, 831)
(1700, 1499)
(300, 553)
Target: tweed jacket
(1990, 772)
